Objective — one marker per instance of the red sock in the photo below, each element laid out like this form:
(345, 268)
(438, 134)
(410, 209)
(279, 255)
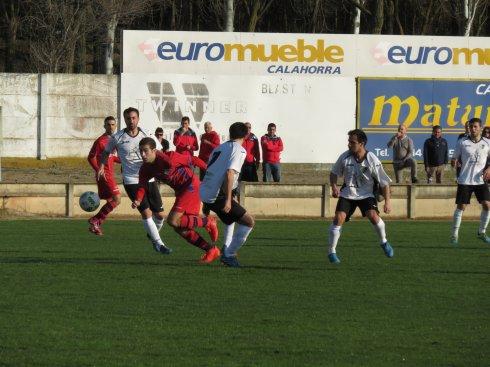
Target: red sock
(105, 210)
(192, 221)
(195, 239)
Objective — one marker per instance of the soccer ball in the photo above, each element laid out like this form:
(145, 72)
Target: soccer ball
(89, 201)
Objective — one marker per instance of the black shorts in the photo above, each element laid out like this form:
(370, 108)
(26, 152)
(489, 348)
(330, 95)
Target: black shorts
(152, 200)
(349, 206)
(464, 192)
(234, 215)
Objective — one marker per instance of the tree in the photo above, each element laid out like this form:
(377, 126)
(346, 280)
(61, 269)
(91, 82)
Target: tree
(114, 12)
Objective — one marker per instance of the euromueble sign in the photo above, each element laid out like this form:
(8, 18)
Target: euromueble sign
(312, 55)
(384, 104)
(312, 115)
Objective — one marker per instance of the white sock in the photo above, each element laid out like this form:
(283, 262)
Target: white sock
(228, 235)
(239, 237)
(484, 218)
(333, 238)
(158, 222)
(458, 214)
(380, 230)
(152, 231)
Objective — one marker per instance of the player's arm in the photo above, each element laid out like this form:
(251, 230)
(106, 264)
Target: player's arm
(195, 144)
(333, 185)
(385, 190)
(456, 160)
(104, 156)
(142, 188)
(198, 162)
(92, 157)
(178, 140)
(391, 142)
(410, 149)
(230, 176)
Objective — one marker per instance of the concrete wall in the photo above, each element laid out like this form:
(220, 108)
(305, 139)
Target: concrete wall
(54, 115)
(19, 102)
(261, 200)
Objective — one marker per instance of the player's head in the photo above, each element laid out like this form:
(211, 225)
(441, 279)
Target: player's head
(131, 118)
(437, 131)
(474, 126)
(159, 133)
(238, 130)
(402, 129)
(249, 126)
(148, 150)
(208, 127)
(185, 122)
(486, 132)
(271, 129)
(110, 125)
(357, 140)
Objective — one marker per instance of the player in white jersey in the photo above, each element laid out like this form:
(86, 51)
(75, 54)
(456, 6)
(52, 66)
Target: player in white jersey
(126, 142)
(362, 172)
(472, 156)
(217, 187)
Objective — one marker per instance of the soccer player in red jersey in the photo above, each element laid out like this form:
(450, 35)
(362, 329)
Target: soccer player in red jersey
(176, 170)
(107, 186)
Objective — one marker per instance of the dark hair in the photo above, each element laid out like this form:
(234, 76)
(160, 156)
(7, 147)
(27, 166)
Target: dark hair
(109, 118)
(185, 118)
(148, 141)
(158, 130)
(486, 128)
(475, 120)
(238, 130)
(359, 134)
(436, 127)
(128, 110)
(271, 125)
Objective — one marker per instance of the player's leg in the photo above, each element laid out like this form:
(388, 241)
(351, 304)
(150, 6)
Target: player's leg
(147, 218)
(398, 172)
(463, 196)
(429, 171)
(412, 163)
(109, 191)
(156, 205)
(369, 209)
(345, 208)
(483, 195)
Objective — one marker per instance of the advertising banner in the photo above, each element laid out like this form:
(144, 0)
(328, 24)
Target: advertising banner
(419, 104)
(314, 55)
(312, 115)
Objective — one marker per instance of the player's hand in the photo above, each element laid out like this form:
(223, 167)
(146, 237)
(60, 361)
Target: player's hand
(206, 141)
(101, 173)
(387, 207)
(335, 191)
(188, 147)
(135, 204)
(486, 174)
(227, 206)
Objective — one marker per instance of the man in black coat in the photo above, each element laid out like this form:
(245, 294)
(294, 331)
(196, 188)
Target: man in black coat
(435, 155)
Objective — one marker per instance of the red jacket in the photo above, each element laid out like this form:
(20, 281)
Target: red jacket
(251, 145)
(206, 149)
(271, 148)
(96, 152)
(183, 139)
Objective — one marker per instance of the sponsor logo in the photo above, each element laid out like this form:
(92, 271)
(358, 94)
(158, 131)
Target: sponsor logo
(215, 51)
(385, 54)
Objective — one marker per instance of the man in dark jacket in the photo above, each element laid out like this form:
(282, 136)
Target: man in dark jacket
(435, 155)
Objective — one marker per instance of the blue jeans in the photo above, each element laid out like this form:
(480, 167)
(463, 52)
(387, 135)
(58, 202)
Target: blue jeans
(271, 171)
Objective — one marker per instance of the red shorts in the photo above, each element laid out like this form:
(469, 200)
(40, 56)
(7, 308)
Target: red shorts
(107, 188)
(187, 200)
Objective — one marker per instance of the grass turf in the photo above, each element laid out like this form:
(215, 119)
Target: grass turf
(70, 298)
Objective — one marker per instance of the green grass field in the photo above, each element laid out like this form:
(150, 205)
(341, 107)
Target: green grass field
(68, 298)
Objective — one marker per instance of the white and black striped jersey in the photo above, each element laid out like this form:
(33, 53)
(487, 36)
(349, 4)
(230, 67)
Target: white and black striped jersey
(359, 177)
(128, 151)
(473, 157)
(229, 155)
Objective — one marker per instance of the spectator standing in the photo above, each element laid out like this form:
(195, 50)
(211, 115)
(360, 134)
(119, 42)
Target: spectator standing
(403, 154)
(252, 160)
(209, 141)
(164, 142)
(486, 132)
(271, 154)
(435, 155)
(185, 139)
